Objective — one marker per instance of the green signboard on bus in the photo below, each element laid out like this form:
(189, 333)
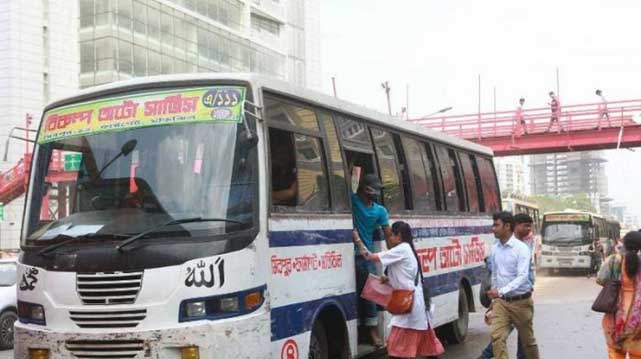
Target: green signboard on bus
(72, 161)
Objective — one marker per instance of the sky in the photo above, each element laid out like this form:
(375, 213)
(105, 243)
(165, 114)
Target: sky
(440, 48)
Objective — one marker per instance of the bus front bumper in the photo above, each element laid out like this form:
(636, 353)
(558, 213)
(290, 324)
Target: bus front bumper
(564, 261)
(246, 338)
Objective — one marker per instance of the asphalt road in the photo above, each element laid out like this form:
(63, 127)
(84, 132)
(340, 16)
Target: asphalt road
(565, 326)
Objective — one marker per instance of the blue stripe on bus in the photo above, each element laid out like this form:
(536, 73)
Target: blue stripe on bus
(338, 236)
(449, 282)
(294, 319)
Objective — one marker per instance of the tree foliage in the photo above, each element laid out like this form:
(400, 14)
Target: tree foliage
(580, 202)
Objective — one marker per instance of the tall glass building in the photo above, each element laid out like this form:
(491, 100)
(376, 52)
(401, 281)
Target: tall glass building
(120, 39)
(53, 47)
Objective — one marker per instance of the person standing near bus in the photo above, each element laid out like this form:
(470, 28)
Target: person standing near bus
(511, 291)
(523, 223)
(411, 334)
(368, 217)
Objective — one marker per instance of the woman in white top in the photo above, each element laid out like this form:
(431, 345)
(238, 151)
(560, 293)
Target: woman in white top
(410, 335)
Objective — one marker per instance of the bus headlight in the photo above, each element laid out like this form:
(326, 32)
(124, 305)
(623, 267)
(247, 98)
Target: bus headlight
(31, 313)
(195, 309)
(228, 305)
(223, 306)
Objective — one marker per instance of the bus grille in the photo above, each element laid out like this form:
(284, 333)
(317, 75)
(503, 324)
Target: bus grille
(109, 288)
(110, 319)
(113, 349)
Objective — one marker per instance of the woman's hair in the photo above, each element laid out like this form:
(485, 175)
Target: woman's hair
(632, 244)
(405, 231)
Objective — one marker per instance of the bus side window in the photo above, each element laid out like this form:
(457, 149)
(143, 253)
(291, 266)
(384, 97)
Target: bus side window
(358, 164)
(490, 185)
(431, 164)
(283, 168)
(337, 171)
(470, 182)
(421, 179)
(389, 173)
(406, 185)
(299, 178)
(449, 186)
(479, 183)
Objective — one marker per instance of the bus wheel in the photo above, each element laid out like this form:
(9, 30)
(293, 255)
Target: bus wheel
(318, 342)
(6, 329)
(456, 331)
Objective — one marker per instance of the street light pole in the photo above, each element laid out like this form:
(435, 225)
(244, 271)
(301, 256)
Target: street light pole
(439, 111)
(385, 86)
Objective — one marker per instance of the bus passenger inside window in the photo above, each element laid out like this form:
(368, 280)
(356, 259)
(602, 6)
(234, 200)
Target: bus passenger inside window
(283, 166)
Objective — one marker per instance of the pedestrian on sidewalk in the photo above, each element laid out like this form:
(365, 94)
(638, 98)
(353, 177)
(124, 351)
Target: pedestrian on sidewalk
(602, 110)
(523, 232)
(411, 334)
(520, 127)
(622, 329)
(511, 291)
(555, 112)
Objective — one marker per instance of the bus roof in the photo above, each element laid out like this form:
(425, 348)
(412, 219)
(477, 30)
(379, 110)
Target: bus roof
(570, 216)
(276, 86)
(521, 202)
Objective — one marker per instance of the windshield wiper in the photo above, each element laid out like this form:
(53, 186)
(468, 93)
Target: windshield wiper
(171, 223)
(69, 239)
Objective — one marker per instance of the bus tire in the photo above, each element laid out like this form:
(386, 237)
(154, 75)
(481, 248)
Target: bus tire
(455, 332)
(318, 346)
(7, 318)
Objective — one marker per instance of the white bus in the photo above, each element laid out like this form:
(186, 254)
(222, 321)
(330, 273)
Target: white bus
(577, 240)
(160, 221)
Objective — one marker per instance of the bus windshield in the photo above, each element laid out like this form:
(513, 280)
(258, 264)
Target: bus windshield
(566, 233)
(123, 183)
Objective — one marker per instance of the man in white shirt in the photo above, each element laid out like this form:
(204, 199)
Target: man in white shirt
(511, 289)
(603, 110)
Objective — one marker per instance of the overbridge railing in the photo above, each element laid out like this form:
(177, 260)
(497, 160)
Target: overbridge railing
(580, 117)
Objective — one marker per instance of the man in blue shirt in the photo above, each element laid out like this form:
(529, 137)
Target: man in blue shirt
(523, 232)
(511, 291)
(368, 216)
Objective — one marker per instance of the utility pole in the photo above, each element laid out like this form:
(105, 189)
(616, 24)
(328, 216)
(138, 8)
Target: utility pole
(334, 85)
(558, 89)
(385, 86)
(407, 102)
(494, 102)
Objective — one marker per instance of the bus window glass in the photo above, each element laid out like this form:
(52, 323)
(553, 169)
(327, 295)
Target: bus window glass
(386, 153)
(490, 185)
(470, 182)
(448, 176)
(566, 233)
(289, 115)
(354, 135)
(313, 191)
(131, 181)
(336, 160)
(283, 168)
(298, 172)
(421, 181)
(479, 183)
(431, 163)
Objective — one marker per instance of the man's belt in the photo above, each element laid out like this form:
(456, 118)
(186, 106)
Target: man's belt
(514, 298)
